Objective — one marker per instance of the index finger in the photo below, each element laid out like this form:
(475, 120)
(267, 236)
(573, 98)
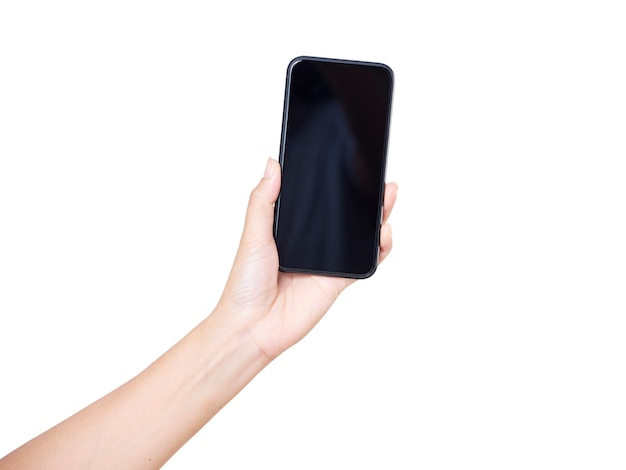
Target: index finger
(389, 199)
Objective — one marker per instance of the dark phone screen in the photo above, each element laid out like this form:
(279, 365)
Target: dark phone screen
(333, 155)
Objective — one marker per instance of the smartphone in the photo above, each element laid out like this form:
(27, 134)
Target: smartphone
(333, 155)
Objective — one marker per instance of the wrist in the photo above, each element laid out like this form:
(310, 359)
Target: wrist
(231, 357)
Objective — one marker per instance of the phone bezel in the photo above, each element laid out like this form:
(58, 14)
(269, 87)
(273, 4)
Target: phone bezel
(285, 117)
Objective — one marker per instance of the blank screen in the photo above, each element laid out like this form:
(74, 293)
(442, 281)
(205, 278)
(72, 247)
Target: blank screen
(333, 154)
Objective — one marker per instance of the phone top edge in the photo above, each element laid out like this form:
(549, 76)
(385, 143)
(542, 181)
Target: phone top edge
(302, 58)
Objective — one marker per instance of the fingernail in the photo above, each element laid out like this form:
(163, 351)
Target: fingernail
(269, 168)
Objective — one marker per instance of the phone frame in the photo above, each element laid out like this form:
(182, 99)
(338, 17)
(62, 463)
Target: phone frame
(384, 157)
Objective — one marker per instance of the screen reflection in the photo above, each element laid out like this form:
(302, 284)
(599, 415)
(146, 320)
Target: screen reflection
(333, 158)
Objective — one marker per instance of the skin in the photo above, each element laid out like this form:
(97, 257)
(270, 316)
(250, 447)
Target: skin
(261, 313)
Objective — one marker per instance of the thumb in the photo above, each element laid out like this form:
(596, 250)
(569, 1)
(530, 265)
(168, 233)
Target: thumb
(260, 213)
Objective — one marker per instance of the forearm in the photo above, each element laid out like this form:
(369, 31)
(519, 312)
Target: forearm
(145, 421)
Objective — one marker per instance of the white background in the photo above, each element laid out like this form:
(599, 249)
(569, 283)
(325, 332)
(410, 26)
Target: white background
(494, 337)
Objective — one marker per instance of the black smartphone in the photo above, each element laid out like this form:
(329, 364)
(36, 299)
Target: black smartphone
(333, 154)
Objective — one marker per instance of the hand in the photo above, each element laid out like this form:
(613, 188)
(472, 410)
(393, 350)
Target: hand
(278, 309)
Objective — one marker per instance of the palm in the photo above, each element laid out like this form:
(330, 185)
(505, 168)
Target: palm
(302, 300)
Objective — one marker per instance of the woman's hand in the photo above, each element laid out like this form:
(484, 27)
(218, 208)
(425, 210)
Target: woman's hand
(260, 314)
